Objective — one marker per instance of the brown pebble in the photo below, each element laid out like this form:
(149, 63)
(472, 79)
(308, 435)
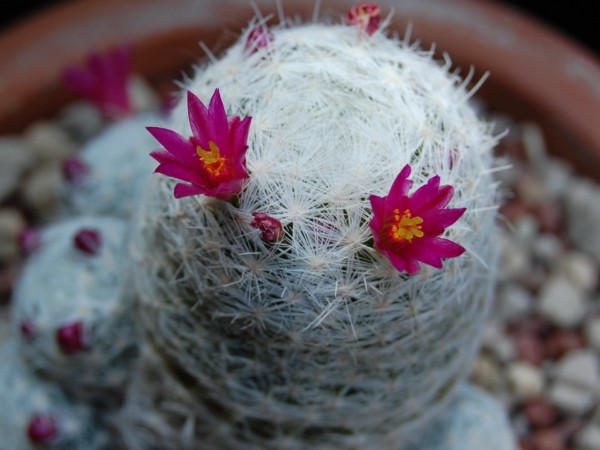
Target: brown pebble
(562, 342)
(540, 413)
(547, 439)
(528, 335)
(513, 210)
(549, 215)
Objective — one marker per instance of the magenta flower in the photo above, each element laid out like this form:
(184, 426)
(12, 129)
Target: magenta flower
(258, 38)
(271, 229)
(407, 229)
(103, 81)
(213, 159)
(365, 16)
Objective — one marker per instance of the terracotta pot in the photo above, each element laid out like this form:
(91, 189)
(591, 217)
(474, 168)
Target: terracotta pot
(536, 73)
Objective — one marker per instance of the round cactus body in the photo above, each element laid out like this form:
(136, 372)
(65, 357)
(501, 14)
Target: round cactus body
(36, 414)
(72, 307)
(110, 172)
(314, 338)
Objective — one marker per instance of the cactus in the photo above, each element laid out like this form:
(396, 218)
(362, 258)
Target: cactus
(474, 420)
(72, 309)
(270, 288)
(36, 414)
(110, 172)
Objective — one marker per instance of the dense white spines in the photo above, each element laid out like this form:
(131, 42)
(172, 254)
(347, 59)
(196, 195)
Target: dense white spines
(317, 338)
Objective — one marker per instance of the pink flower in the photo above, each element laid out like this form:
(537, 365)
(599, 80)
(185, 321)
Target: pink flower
(258, 38)
(271, 228)
(103, 81)
(407, 229)
(365, 16)
(213, 159)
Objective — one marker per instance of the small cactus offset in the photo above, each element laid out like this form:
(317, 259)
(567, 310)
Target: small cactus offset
(36, 414)
(110, 172)
(73, 309)
(316, 261)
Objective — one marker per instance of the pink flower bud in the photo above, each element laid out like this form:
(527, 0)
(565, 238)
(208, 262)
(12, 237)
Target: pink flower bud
(365, 16)
(70, 338)
(74, 169)
(258, 38)
(88, 241)
(271, 228)
(42, 429)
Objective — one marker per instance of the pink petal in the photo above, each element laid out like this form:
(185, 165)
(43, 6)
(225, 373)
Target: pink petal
(400, 186)
(175, 170)
(186, 190)
(436, 221)
(175, 144)
(218, 124)
(239, 134)
(431, 196)
(440, 247)
(378, 205)
(402, 263)
(199, 120)
(225, 191)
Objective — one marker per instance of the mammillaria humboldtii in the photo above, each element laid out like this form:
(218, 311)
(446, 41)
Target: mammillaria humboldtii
(327, 336)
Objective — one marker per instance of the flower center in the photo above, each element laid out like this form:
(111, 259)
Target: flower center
(212, 160)
(405, 227)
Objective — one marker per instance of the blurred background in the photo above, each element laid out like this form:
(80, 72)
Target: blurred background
(576, 18)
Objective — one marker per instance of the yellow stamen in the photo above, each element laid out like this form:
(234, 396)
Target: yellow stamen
(405, 227)
(213, 161)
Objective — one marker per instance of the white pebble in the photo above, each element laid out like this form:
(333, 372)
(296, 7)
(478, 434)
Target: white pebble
(591, 331)
(526, 381)
(16, 159)
(561, 302)
(547, 247)
(576, 379)
(579, 368)
(514, 302)
(589, 437)
(49, 142)
(582, 202)
(41, 190)
(11, 225)
(580, 269)
(556, 177)
(82, 120)
(570, 398)
(526, 229)
(498, 343)
(514, 260)
(486, 372)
